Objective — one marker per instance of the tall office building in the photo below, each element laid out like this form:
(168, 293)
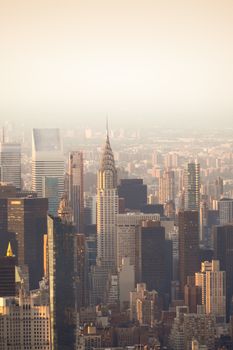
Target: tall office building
(47, 160)
(62, 277)
(106, 215)
(107, 208)
(188, 245)
(152, 253)
(225, 208)
(167, 187)
(27, 219)
(50, 190)
(128, 226)
(76, 189)
(223, 251)
(192, 186)
(213, 286)
(134, 193)
(10, 163)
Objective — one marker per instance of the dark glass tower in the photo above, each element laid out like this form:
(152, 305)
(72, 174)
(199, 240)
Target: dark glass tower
(152, 256)
(223, 251)
(188, 245)
(7, 274)
(134, 192)
(62, 251)
(27, 219)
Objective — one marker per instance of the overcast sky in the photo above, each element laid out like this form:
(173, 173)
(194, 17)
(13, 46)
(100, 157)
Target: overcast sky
(154, 61)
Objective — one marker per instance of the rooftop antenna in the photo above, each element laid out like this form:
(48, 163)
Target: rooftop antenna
(107, 130)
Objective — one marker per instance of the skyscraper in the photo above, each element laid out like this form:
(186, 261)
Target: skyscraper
(47, 159)
(223, 251)
(152, 252)
(188, 245)
(10, 163)
(128, 226)
(106, 213)
(107, 208)
(61, 266)
(76, 189)
(192, 186)
(27, 219)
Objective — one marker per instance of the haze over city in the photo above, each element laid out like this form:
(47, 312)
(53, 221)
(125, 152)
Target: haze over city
(167, 63)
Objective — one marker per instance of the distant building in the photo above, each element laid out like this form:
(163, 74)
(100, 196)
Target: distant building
(167, 187)
(225, 208)
(47, 160)
(134, 192)
(10, 163)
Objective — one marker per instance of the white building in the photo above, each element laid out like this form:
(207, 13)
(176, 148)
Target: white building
(47, 159)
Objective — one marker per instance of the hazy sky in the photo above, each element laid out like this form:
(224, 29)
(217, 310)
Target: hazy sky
(152, 60)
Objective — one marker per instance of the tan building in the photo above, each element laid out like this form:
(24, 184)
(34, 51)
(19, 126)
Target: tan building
(213, 284)
(24, 324)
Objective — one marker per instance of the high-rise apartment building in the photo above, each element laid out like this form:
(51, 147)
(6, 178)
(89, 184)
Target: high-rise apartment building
(27, 219)
(192, 186)
(167, 187)
(47, 159)
(10, 163)
(223, 251)
(62, 276)
(107, 208)
(76, 189)
(188, 245)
